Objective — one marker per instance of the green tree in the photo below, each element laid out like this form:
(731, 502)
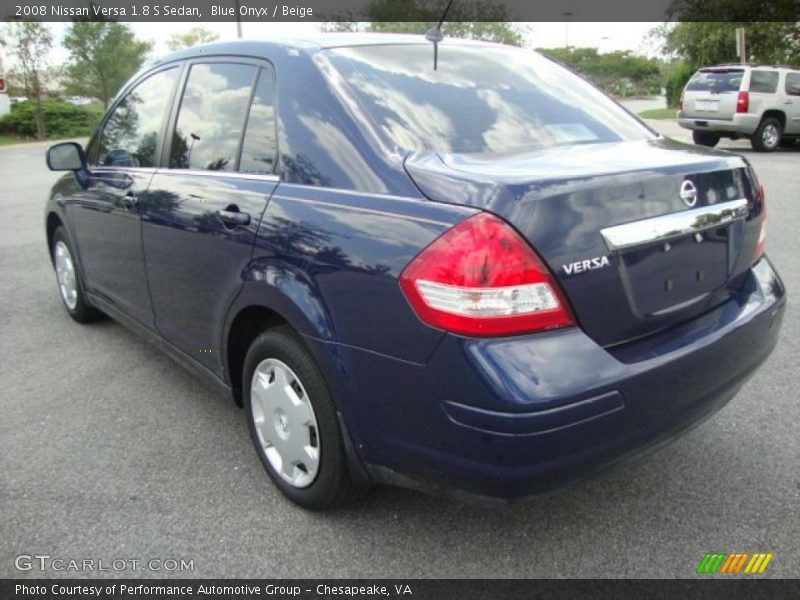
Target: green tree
(102, 57)
(196, 35)
(29, 42)
(706, 43)
(478, 19)
(616, 72)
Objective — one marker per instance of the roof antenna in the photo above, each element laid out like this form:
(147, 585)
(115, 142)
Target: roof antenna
(434, 34)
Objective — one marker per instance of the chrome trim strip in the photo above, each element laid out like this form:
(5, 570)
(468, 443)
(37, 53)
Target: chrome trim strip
(196, 172)
(673, 225)
(225, 174)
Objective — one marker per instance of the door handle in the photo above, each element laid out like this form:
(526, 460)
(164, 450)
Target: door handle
(233, 217)
(129, 200)
(788, 102)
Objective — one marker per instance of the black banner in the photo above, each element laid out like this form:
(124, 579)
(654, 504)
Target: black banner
(412, 10)
(428, 589)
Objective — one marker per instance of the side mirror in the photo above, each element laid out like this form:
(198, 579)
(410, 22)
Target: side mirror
(67, 156)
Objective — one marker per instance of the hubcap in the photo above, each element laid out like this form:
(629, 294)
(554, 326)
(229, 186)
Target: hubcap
(65, 273)
(285, 422)
(770, 136)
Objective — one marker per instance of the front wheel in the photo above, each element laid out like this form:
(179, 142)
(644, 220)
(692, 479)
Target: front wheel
(293, 422)
(704, 138)
(768, 135)
(69, 281)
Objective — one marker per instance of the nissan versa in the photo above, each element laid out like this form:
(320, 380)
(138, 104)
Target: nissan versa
(481, 276)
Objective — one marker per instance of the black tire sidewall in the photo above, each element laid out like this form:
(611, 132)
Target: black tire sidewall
(705, 138)
(83, 311)
(332, 481)
(757, 140)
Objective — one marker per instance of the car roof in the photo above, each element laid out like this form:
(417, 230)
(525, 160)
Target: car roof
(729, 66)
(310, 43)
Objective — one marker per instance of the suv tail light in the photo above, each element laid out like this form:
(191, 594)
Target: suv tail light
(680, 102)
(742, 102)
(480, 278)
(2, 85)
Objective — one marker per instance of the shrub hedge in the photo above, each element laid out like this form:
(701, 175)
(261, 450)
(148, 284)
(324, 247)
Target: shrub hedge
(61, 119)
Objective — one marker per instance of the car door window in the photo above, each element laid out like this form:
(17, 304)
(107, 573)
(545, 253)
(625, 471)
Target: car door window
(793, 84)
(211, 116)
(764, 81)
(130, 135)
(260, 148)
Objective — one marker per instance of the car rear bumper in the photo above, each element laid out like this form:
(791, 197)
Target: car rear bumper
(507, 418)
(742, 124)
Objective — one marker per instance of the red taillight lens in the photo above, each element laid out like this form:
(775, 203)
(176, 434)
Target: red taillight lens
(480, 278)
(2, 85)
(761, 202)
(742, 102)
(680, 102)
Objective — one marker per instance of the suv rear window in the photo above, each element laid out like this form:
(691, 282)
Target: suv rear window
(481, 99)
(764, 81)
(717, 81)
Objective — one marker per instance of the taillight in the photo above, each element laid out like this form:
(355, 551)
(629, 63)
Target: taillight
(742, 102)
(680, 102)
(480, 278)
(761, 203)
(2, 85)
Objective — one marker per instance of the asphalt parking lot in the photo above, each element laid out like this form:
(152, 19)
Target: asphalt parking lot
(108, 449)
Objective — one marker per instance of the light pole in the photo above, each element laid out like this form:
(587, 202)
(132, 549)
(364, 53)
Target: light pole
(566, 38)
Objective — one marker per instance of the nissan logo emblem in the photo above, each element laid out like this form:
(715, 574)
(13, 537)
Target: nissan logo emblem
(688, 193)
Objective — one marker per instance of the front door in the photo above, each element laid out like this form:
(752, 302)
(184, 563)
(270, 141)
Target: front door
(107, 212)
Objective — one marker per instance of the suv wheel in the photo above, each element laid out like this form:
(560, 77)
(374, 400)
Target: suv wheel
(293, 422)
(768, 135)
(704, 138)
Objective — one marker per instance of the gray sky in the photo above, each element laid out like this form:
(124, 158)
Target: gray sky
(606, 37)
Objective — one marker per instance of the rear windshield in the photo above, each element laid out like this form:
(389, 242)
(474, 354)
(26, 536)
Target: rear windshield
(717, 81)
(481, 99)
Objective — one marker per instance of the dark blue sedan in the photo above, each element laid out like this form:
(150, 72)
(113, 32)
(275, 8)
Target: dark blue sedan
(485, 279)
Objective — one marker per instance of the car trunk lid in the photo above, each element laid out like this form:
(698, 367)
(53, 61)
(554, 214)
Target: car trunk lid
(614, 224)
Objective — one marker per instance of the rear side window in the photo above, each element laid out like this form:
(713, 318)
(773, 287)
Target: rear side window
(260, 148)
(717, 81)
(793, 84)
(130, 135)
(765, 82)
(211, 117)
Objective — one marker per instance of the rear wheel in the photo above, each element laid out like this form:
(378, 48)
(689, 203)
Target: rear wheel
(70, 286)
(768, 135)
(293, 422)
(705, 138)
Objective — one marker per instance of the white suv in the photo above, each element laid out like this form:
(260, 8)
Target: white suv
(5, 102)
(758, 102)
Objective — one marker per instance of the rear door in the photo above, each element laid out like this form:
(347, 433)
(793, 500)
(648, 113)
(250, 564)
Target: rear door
(206, 201)
(791, 102)
(763, 90)
(106, 214)
(712, 93)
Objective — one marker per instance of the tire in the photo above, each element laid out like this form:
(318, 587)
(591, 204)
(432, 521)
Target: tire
(705, 138)
(280, 423)
(68, 280)
(768, 135)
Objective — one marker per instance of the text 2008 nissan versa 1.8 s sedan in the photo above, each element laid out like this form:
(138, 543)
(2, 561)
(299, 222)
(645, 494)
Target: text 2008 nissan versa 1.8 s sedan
(486, 279)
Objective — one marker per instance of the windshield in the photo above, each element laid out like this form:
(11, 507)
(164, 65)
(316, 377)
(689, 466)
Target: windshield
(481, 99)
(716, 81)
